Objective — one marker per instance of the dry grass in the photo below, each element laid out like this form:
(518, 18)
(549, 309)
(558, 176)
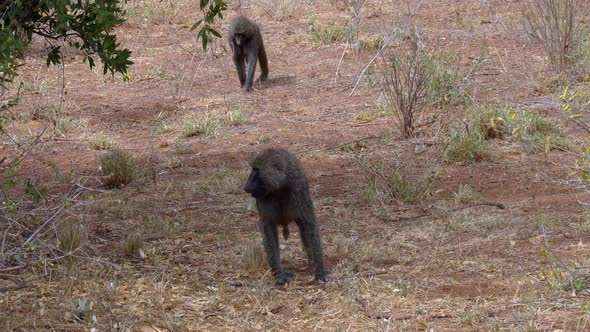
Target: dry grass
(182, 251)
(103, 142)
(280, 9)
(119, 168)
(133, 245)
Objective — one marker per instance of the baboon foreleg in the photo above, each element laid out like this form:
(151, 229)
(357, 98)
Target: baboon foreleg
(239, 62)
(271, 247)
(310, 236)
(251, 63)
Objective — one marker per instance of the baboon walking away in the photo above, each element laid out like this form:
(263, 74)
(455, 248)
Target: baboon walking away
(246, 43)
(282, 195)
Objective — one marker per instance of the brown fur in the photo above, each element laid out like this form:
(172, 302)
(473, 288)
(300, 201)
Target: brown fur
(247, 47)
(278, 183)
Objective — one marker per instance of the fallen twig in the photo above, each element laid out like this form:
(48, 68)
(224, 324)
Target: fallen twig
(463, 207)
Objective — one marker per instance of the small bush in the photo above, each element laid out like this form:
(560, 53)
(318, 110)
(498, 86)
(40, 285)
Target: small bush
(407, 73)
(331, 33)
(389, 182)
(71, 237)
(103, 142)
(372, 42)
(555, 25)
(468, 146)
(235, 118)
(119, 167)
(466, 194)
(253, 258)
(447, 86)
(182, 148)
(133, 245)
(205, 125)
(535, 131)
(62, 124)
(165, 128)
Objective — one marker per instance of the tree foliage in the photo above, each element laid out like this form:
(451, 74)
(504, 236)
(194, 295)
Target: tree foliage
(211, 9)
(84, 24)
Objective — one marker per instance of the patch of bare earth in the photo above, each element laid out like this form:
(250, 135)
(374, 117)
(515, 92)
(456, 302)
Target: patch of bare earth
(427, 266)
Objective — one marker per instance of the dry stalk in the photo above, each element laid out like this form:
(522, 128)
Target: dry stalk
(553, 24)
(39, 239)
(406, 77)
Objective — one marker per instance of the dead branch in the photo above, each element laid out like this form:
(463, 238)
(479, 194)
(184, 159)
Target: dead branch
(360, 76)
(428, 214)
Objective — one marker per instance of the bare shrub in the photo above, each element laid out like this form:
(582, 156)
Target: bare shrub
(553, 24)
(407, 71)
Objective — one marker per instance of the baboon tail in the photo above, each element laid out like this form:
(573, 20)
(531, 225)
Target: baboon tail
(263, 60)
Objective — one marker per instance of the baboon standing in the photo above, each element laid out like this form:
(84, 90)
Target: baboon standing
(246, 43)
(282, 195)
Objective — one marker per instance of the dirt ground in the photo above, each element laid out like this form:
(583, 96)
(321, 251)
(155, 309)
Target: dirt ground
(427, 266)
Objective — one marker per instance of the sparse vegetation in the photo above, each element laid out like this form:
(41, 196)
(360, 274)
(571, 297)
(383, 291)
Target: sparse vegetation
(119, 168)
(203, 125)
(133, 245)
(156, 11)
(407, 73)
(465, 194)
(412, 241)
(280, 9)
(555, 25)
(535, 131)
(389, 181)
(253, 258)
(235, 118)
(447, 86)
(71, 237)
(182, 148)
(469, 145)
(372, 42)
(103, 142)
(330, 33)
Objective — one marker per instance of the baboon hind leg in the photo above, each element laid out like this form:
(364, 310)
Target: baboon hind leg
(312, 245)
(271, 247)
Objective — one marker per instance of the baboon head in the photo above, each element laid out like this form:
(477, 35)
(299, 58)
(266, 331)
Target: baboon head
(268, 174)
(275, 170)
(241, 30)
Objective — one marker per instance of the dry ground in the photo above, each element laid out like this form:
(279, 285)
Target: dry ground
(479, 268)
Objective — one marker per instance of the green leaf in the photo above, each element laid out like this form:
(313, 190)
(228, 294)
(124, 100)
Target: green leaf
(215, 33)
(54, 56)
(196, 25)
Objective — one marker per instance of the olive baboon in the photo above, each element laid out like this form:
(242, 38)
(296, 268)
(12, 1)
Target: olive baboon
(280, 187)
(245, 41)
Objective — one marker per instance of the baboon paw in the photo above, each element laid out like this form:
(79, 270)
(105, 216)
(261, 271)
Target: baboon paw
(282, 281)
(263, 78)
(321, 280)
